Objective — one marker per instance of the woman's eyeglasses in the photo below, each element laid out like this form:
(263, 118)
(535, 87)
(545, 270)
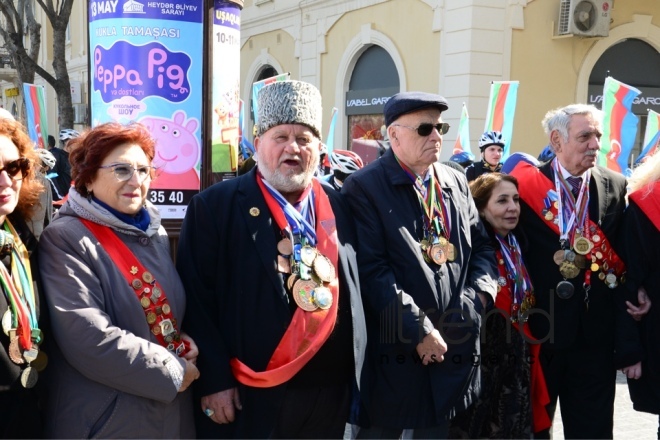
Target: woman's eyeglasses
(124, 171)
(426, 128)
(17, 169)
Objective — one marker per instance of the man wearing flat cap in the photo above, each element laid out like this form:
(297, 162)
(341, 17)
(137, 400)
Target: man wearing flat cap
(427, 271)
(268, 261)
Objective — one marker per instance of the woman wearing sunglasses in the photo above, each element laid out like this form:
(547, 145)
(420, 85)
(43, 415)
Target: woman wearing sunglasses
(123, 367)
(21, 358)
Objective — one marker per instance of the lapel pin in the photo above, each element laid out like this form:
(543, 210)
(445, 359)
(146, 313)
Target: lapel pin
(254, 212)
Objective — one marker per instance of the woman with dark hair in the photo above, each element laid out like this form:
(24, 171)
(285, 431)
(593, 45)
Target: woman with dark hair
(20, 304)
(122, 367)
(513, 392)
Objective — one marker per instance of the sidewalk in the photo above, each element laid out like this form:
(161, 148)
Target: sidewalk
(628, 423)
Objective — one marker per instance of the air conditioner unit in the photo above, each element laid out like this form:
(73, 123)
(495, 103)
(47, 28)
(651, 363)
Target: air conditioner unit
(584, 18)
(80, 113)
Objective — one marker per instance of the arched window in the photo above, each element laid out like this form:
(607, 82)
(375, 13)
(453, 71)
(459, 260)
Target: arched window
(373, 81)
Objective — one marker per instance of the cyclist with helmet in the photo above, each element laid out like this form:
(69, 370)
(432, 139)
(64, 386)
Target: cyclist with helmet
(62, 170)
(343, 163)
(491, 145)
(43, 213)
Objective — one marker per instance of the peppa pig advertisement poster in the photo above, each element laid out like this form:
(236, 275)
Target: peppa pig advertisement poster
(147, 67)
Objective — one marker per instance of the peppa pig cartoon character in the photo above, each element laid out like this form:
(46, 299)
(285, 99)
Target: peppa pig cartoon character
(177, 151)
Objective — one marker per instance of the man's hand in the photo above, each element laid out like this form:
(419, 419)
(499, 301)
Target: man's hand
(638, 312)
(432, 348)
(222, 405)
(633, 371)
(191, 374)
(193, 351)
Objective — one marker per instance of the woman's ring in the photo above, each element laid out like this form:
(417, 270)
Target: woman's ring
(209, 412)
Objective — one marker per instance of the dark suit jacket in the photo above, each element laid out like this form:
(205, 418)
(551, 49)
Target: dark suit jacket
(605, 321)
(405, 298)
(236, 302)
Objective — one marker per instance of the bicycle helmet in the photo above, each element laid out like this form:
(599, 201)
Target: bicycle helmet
(46, 157)
(68, 133)
(345, 161)
(491, 138)
(547, 154)
(463, 158)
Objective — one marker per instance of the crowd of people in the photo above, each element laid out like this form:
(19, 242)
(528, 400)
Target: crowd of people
(407, 298)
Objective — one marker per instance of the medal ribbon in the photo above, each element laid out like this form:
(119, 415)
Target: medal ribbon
(20, 291)
(429, 194)
(300, 222)
(576, 211)
(125, 260)
(511, 254)
(539, 391)
(307, 331)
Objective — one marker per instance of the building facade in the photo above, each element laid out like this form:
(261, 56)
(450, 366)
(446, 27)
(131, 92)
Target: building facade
(360, 52)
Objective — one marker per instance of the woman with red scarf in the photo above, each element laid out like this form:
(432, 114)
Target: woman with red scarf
(513, 393)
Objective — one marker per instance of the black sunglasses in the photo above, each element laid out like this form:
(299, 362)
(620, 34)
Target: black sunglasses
(425, 129)
(20, 165)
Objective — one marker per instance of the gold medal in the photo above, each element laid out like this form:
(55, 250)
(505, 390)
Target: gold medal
(442, 241)
(324, 268)
(303, 294)
(581, 245)
(145, 302)
(451, 252)
(549, 215)
(322, 297)
(284, 246)
(601, 276)
(307, 255)
(569, 270)
(151, 318)
(166, 309)
(594, 267)
(424, 244)
(148, 277)
(137, 284)
(29, 377)
(155, 330)
(437, 254)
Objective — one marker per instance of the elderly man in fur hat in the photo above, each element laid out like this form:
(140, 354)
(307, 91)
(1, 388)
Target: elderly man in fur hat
(268, 262)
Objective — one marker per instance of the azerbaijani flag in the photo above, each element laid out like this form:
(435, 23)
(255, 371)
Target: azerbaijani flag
(619, 125)
(260, 85)
(35, 108)
(502, 110)
(463, 139)
(651, 135)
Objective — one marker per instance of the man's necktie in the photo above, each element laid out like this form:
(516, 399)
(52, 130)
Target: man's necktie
(576, 183)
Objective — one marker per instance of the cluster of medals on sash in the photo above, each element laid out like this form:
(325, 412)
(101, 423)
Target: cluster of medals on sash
(34, 359)
(310, 273)
(572, 261)
(520, 304)
(157, 311)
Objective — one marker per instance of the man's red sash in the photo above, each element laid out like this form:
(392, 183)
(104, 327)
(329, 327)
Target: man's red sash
(533, 189)
(539, 390)
(648, 201)
(307, 331)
